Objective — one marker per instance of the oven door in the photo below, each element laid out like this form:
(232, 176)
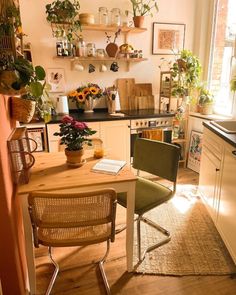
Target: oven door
(136, 133)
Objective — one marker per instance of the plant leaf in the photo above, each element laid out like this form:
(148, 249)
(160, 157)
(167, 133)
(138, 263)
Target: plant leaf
(40, 73)
(36, 89)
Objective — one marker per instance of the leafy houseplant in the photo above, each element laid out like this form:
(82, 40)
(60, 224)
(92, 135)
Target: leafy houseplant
(140, 8)
(74, 134)
(206, 101)
(84, 96)
(186, 71)
(63, 16)
(27, 81)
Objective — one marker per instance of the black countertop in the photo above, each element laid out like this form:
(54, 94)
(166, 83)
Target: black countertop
(230, 138)
(102, 115)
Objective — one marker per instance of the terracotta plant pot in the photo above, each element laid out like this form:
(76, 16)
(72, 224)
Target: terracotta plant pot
(22, 110)
(74, 158)
(138, 21)
(207, 109)
(112, 49)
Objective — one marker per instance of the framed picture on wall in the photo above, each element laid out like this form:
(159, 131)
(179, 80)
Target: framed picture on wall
(195, 150)
(168, 38)
(56, 79)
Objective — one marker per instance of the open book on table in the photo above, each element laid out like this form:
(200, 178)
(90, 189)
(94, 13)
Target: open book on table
(108, 166)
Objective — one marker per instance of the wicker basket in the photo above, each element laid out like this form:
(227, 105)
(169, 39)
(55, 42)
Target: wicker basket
(22, 109)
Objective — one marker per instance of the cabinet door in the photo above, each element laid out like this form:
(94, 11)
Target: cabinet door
(116, 138)
(209, 181)
(226, 221)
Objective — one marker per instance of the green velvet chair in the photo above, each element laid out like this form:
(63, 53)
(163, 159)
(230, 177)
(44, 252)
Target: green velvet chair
(162, 160)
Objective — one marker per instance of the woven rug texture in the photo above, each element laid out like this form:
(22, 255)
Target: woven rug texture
(196, 247)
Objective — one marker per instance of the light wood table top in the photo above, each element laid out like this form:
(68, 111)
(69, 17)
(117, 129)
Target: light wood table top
(51, 172)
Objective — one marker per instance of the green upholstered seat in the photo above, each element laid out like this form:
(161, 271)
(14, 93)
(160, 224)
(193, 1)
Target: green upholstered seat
(146, 196)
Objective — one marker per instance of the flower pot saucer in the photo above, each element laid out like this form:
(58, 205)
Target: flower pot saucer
(76, 165)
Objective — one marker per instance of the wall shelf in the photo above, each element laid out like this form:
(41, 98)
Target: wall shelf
(75, 59)
(124, 29)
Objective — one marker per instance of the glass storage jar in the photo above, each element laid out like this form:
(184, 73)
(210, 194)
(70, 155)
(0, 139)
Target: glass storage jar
(91, 50)
(103, 16)
(115, 17)
(100, 53)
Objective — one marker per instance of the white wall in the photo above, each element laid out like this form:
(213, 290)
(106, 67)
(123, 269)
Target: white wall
(43, 44)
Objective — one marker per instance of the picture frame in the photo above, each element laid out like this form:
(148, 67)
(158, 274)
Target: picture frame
(56, 79)
(195, 150)
(168, 38)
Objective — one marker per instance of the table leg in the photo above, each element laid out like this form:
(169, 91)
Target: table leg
(130, 226)
(29, 248)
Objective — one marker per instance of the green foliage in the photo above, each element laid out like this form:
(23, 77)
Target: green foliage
(205, 96)
(74, 133)
(142, 7)
(186, 72)
(62, 14)
(10, 20)
(233, 84)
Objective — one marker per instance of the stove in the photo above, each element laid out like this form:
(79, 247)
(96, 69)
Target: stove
(147, 113)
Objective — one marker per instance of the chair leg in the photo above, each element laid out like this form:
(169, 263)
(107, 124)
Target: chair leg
(49, 289)
(100, 264)
(150, 248)
(139, 237)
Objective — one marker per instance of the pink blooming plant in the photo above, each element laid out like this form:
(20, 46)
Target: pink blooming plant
(74, 133)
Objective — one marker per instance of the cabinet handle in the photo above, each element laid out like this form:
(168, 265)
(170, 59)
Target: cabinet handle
(217, 169)
(234, 153)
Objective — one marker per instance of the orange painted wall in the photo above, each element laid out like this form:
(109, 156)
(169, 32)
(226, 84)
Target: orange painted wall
(12, 255)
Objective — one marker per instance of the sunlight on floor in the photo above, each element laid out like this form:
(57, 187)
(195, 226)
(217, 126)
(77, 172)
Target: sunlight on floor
(186, 196)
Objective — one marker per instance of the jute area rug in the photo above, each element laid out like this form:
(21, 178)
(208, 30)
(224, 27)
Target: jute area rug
(196, 247)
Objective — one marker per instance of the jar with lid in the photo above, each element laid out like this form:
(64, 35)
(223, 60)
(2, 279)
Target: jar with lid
(80, 50)
(115, 17)
(100, 53)
(91, 50)
(103, 16)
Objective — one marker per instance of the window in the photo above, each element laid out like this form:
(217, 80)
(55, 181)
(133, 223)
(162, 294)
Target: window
(223, 55)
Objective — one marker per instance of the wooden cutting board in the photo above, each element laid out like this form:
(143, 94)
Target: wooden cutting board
(126, 90)
(143, 89)
(144, 102)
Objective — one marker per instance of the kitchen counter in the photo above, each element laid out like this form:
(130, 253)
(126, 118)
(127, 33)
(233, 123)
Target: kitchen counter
(102, 115)
(230, 138)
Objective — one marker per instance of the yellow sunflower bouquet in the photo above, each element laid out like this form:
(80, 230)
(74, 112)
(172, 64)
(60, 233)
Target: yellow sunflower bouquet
(83, 93)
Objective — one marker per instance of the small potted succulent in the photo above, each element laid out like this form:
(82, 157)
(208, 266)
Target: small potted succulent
(63, 16)
(206, 101)
(142, 8)
(74, 134)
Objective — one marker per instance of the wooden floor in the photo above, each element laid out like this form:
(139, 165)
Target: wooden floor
(78, 275)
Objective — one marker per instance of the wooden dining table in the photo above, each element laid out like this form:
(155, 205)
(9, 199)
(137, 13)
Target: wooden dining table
(51, 173)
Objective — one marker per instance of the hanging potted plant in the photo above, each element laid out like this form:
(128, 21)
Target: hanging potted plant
(63, 17)
(142, 8)
(30, 83)
(74, 134)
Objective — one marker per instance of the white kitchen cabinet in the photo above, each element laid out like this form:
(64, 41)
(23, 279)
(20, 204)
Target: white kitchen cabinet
(116, 138)
(209, 178)
(226, 221)
(217, 186)
(54, 141)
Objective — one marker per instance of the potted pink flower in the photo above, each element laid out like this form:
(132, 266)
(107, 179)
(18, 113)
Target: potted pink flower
(74, 134)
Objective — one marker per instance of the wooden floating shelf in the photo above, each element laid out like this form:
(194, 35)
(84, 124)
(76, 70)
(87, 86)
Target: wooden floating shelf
(179, 140)
(124, 29)
(109, 28)
(74, 58)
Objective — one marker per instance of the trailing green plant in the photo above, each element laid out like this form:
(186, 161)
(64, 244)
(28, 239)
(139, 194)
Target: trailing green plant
(186, 71)
(10, 21)
(63, 16)
(142, 7)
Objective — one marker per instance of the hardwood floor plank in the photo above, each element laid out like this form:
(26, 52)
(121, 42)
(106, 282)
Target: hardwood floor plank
(78, 276)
